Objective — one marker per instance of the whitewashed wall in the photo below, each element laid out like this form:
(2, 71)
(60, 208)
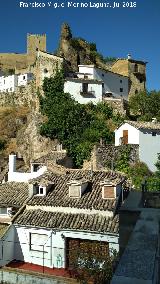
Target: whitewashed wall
(89, 69)
(74, 88)
(133, 134)
(9, 83)
(25, 177)
(113, 83)
(54, 255)
(21, 177)
(7, 246)
(24, 79)
(149, 147)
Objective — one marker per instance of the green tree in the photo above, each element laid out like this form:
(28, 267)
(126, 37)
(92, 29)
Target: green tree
(138, 172)
(157, 164)
(138, 103)
(145, 105)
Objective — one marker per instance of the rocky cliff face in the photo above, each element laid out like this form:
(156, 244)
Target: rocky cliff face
(30, 144)
(78, 51)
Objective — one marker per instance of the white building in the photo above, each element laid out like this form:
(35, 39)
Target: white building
(16, 176)
(144, 134)
(9, 83)
(62, 214)
(24, 79)
(94, 84)
(84, 90)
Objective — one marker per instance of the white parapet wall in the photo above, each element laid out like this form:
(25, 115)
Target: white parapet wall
(13, 175)
(25, 177)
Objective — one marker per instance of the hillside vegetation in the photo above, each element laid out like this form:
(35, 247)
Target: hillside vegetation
(78, 127)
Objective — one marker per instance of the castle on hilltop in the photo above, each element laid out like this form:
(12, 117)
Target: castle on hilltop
(122, 78)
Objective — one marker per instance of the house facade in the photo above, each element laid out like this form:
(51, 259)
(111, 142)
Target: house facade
(64, 214)
(10, 83)
(92, 84)
(144, 134)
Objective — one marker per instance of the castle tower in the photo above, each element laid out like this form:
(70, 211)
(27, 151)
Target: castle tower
(135, 70)
(35, 42)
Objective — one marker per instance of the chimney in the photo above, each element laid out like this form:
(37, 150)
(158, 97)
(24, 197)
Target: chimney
(12, 163)
(77, 187)
(129, 56)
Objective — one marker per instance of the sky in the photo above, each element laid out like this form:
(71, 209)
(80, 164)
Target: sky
(116, 31)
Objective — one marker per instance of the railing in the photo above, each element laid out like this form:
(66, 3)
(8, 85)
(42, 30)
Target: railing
(88, 93)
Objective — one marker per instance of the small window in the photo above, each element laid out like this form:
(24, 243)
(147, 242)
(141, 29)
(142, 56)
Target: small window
(40, 190)
(102, 85)
(120, 81)
(136, 91)
(37, 242)
(102, 75)
(85, 76)
(141, 80)
(154, 133)
(85, 88)
(121, 90)
(24, 77)
(135, 68)
(4, 81)
(45, 70)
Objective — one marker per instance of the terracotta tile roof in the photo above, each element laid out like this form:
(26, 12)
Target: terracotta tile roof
(144, 125)
(91, 198)
(3, 228)
(13, 194)
(60, 220)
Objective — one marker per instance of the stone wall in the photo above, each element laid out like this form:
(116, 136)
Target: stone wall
(120, 67)
(119, 105)
(12, 61)
(46, 66)
(8, 276)
(106, 156)
(24, 96)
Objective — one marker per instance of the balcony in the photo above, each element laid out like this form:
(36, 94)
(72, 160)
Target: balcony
(88, 94)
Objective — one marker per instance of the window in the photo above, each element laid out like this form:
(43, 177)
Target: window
(120, 81)
(136, 91)
(45, 70)
(108, 192)
(154, 133)
(102, 75)
(37, 241)
(24, 77)
(4, 81)
(40, 190)
(135, 68)
(85, 87)
(102, 85)
(85, 76)
(121, 90)
(3, 211)
(141, 80)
